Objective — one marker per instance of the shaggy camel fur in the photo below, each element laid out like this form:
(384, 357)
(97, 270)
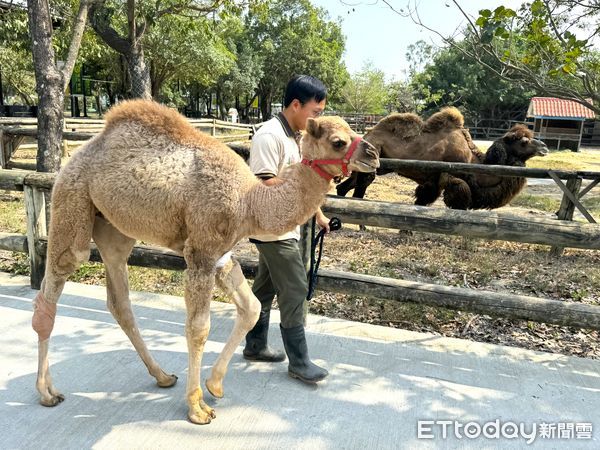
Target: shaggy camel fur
(151, 176)
(479, 191)
(405, 136)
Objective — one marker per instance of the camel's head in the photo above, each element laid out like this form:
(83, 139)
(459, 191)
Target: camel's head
(515, 147)
(521, 144)
(331, 139)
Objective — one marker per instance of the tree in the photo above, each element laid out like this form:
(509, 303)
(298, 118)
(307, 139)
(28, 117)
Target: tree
(51, 77)
(365, 92)
(294, 37)
(451, 78)
(186, 49)
(401, 97)
(16, 63)
(546, 46)
(239, 86)
(123, 27)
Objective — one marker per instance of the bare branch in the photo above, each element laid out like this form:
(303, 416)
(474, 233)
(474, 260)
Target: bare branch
(101, 25)
(553, 23)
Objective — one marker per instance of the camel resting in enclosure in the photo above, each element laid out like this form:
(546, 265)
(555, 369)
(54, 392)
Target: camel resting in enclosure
(443, 138)
(406, 136)
(151, 176)
(481, 191)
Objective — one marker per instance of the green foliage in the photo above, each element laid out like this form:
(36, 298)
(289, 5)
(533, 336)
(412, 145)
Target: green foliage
(365, 92)
(537, 45)
(452, 79)
(293, 37)
(400, 97)
(16, 63)
(186, 49)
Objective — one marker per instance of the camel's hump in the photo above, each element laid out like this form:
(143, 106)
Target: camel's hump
(447, 119)
(154, 116)
(402, 125)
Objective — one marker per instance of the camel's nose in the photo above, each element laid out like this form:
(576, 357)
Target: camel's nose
(370, 151)
(542, 148)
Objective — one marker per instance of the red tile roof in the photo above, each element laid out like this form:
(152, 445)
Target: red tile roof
(557, 107)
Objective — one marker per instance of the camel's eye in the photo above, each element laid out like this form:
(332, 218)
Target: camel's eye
(339, 143)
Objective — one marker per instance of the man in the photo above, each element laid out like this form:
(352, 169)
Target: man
(280, 267)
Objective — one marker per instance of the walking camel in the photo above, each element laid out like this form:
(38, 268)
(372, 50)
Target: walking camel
(151, 176)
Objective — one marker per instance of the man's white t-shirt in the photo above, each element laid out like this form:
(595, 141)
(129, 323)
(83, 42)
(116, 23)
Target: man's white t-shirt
(273, 148)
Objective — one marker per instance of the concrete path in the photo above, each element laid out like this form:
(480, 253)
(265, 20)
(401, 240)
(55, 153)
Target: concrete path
(382, 382)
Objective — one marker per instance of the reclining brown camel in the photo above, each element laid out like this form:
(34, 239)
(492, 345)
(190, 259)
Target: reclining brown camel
(479, 191)
(151, 176)
(443, 138)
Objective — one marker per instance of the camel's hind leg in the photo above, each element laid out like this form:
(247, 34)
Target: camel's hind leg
(232, 281)
(68, 246)
(115, 248)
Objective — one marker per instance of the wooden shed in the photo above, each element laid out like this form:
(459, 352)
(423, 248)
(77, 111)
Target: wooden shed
(558, 122)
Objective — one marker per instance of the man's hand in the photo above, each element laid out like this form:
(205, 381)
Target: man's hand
(322, 220)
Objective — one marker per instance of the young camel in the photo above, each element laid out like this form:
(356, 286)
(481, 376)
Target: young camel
(151, 176)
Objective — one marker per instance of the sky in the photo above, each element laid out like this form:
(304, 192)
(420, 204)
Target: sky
(379, 37)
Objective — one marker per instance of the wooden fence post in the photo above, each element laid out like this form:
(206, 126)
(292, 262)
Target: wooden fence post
(3, 161)
(213, 130)
(567, 207)
(35, 206)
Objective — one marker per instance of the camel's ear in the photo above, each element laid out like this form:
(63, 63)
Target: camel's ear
(496, 154)
(313, 128)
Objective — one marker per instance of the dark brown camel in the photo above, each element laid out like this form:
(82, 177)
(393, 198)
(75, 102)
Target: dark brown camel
(479, 191)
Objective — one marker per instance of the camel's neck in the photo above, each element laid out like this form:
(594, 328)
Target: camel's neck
(278, 209)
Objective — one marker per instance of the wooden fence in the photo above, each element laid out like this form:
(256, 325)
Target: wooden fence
(13, 132)
(488, 225)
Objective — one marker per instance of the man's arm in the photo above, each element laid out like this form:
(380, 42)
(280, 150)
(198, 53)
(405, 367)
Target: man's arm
(322, 220)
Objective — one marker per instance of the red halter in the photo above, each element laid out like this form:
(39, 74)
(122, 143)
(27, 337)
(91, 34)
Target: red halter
(316, 164)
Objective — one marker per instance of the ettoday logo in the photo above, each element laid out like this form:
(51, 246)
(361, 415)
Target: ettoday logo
(442, 429)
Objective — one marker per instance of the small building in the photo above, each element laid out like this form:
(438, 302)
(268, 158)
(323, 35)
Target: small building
(557, 122)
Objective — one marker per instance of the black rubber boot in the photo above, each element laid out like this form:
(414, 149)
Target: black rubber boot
(300, 367)
(256, 342)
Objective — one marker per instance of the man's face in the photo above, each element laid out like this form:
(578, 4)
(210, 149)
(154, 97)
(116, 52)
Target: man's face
(311, 109)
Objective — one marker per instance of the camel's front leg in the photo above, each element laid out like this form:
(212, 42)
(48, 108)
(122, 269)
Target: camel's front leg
(200, 277)
(43, 322)
(232, 281)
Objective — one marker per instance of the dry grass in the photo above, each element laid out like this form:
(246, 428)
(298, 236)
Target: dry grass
(448, 260)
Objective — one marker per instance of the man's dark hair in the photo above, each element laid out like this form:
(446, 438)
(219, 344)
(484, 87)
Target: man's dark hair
(305, 88)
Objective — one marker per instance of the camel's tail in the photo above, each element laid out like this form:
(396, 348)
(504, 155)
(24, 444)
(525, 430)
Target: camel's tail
(402, 125)
(447, 119)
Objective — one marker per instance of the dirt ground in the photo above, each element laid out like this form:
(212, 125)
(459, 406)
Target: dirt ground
(448, 260)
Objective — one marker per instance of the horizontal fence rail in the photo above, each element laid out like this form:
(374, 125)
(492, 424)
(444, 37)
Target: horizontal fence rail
(478, 224)
(482, 302)
(483, 224)
(485, 169)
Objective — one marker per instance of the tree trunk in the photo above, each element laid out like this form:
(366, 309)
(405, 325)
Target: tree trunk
(50, 80)
(49, 85)
(1, 89)
(265, 105)
(130, 47)
(139, 74)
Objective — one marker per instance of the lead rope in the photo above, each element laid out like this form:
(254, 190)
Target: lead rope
(334, 224)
